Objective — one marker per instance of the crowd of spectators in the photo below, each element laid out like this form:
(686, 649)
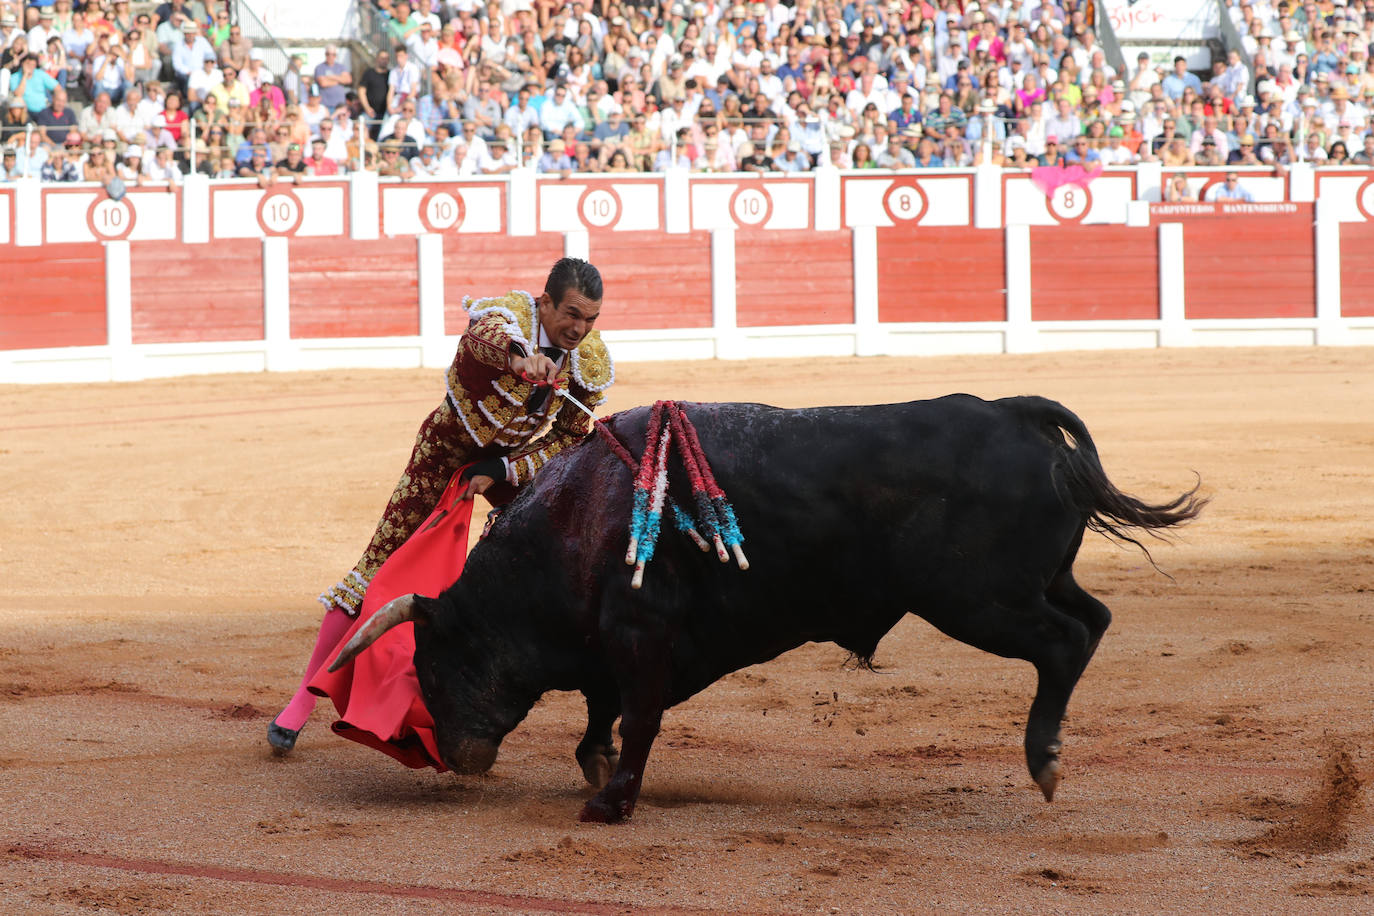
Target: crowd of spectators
(460, 88)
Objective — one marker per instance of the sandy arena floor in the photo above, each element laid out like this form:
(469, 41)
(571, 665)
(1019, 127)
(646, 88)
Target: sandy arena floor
(163, 542)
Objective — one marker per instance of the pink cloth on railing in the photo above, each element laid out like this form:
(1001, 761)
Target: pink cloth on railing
(1049, 177)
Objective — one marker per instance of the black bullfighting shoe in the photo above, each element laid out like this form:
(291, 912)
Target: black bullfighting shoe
(281, 739)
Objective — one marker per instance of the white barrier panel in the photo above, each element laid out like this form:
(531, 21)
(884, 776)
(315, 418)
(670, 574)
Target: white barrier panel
(6, 217)
(91, 215)
(751, 204)
(619, 206)
(918, 198)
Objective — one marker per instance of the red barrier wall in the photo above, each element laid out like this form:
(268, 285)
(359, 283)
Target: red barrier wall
(186, 293)
(1357, 269)
(929, 273)
(653, 279)
(1081, 273)
(793, 276)
(54, 296)
(351, 288)
(1250, 268)
(493, 265)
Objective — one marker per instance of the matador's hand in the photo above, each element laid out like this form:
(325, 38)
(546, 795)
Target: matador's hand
(477, 483)
(535, 368)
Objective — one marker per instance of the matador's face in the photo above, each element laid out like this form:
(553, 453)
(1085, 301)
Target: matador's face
(568, 322)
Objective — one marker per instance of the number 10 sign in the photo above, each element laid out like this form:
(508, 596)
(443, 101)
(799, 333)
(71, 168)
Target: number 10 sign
(280, 212)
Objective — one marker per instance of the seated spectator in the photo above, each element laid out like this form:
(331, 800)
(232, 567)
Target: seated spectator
(555, 158)
(1081, 153)
(393, 164)
(894, 156)
(753, 160)
(1177, 188)
(291, 167)
(99, 165)
(130, 165)
(1337, 154)
(257, 165)
(8, 170)
(132, 121)
(1366, 155)
(230, 88)
(32, 84)
(256, 138)
(1018, 159)
(189, 52)
(170, 123)
(162, 167)
(1115, 152)
(794, 159)
(619, 162)
(1052, 155)
(1208, 156)
(497, 158)
(863, 157)
(1231, 189)
(200, 83)
(16, 119)
(1176, 154)
(112, 72)
(427, 164)
(319, 164)
(59, 166)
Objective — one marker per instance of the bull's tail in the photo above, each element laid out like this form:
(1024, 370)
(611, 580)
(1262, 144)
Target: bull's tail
(1085, 484)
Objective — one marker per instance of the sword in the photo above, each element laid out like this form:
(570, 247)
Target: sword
(567, 396)
(576, 403)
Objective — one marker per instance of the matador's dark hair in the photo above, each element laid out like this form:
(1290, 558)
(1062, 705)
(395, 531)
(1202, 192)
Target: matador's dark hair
(573, 274)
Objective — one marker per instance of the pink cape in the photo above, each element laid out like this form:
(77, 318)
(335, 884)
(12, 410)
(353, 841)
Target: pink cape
(377, 694)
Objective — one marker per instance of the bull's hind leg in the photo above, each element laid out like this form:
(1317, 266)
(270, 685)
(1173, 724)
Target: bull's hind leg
(596, 752)
(1056, 644)
(1068, 596)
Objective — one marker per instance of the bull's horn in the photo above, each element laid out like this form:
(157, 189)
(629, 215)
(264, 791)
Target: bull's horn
(392, 613)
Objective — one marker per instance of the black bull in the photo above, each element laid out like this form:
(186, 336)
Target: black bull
(966, 512)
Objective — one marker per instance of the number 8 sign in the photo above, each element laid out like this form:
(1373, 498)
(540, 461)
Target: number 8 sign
(905, 202)
(280, 212)
(110, 219)
(1069, 203)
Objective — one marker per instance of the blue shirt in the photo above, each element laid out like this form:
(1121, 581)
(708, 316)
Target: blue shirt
(38, 92)
(1173, 84)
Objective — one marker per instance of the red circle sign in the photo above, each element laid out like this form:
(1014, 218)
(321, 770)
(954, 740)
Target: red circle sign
(905, 202)
(109, 219)
(443, 210)
(1069, 203)
(1366, 190)
(599, 207)
(751, 205)
(280, 212)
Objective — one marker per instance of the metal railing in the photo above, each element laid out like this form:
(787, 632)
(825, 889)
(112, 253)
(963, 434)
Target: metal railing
(274, 56)
(1231, 41)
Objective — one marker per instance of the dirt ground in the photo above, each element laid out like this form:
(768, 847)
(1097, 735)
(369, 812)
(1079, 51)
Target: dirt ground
(162, 544)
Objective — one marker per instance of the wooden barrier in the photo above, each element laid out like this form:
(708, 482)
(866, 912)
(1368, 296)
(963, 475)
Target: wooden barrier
(227, 276)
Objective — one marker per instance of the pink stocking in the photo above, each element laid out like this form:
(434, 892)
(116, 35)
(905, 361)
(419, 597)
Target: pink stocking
(332, 629)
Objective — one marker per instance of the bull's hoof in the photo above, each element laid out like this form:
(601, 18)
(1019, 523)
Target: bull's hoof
(597, 768)
(1048, 779)
(598, 811)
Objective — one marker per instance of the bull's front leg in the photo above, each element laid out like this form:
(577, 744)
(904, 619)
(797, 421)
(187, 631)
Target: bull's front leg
(616, 801)
(639, 657)
(596, 752)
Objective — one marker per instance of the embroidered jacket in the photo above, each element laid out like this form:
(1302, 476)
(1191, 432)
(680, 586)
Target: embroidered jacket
(489, 400)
